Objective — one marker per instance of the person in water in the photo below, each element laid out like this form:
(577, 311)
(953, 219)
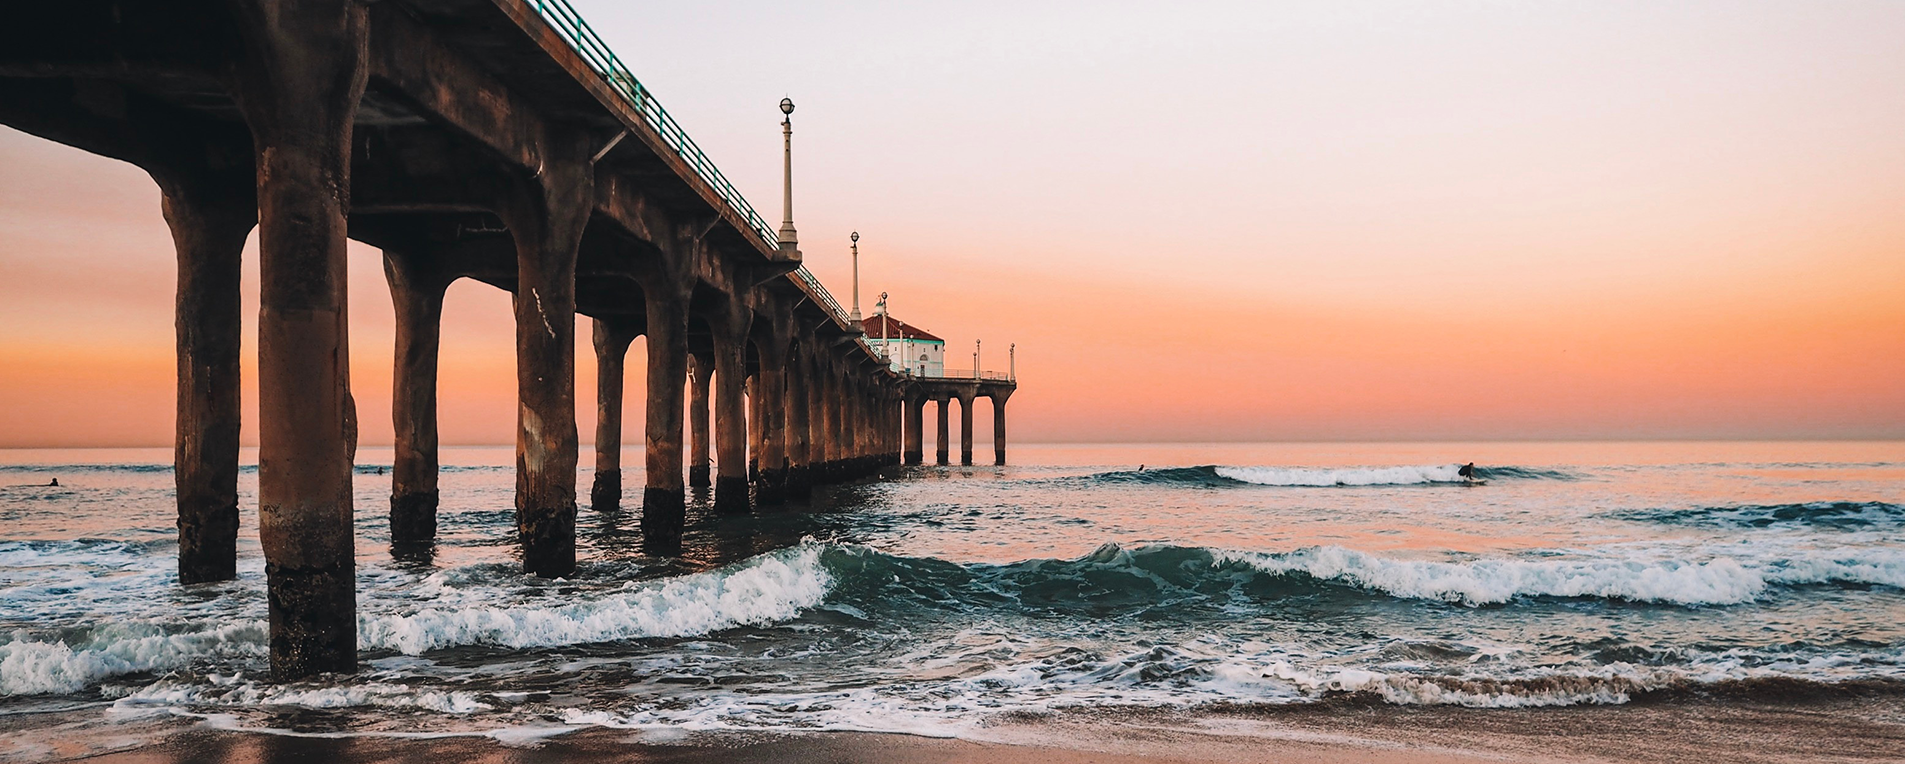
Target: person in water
(54, 484)
(1467, 471)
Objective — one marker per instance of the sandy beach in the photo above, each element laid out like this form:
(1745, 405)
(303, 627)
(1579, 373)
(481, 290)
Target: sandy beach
(1853, 729)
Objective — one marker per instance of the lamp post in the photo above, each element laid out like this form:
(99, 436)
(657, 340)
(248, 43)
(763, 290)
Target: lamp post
(1012, 353)
(856, 277)
(886, 349)
(788, 240)
(975, 359)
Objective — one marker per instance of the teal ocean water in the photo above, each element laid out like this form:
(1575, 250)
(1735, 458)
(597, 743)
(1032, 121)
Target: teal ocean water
(934, 599)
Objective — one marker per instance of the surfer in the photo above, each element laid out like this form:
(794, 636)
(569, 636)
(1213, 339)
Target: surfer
(1140, 468)
(1467, 471)
(54, 484)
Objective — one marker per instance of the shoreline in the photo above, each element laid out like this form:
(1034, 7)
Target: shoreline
(1843, 729)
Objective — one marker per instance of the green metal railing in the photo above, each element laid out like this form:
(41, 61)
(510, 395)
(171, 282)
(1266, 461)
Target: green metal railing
(825, 298)
(586, 43)
(567, 22)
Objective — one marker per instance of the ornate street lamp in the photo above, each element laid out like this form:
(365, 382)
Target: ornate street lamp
(856, 277)
(788, 240)
(886, 321)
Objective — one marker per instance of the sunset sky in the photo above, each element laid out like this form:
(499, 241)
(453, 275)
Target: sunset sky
(1249, 221)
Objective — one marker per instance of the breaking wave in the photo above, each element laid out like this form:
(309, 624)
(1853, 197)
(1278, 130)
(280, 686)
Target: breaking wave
(1425, 474)
(1160, 578)
(1842, 515)
(36, 666)
(761, 590)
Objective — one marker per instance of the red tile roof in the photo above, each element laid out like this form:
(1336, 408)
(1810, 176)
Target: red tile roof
(878, 326)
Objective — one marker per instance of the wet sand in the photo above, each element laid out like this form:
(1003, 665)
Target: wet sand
(1835, 730)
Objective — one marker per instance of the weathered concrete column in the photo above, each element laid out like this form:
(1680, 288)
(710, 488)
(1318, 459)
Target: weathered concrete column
(755, 430)
(730, 417)
(942, 448)
(798, 483)
(209, 226)
(826, 446)
(417, 284)
(664, 499)
(700, 374)
(965, 430)
(611, 339)
(895, 426)
(298, 86)
(895, 408)
(771, 387)
(547, 217)
(998, 428)
(849, 426)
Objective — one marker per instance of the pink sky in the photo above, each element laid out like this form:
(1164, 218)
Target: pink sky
(1241, 222)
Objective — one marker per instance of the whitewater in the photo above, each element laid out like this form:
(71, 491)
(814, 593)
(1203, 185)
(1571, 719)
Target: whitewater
(934, 599)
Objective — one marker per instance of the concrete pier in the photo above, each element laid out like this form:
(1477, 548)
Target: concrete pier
(965, 430)
(417, 283)
(546, 217)
(998, 428)
(730, 416)
(771, 388)
(664, 497)
(209, 224)
(387, 122)
(915, 437)
(611, 339)
(942, 444)
(700, 376)
(798, 482)
(298, 89)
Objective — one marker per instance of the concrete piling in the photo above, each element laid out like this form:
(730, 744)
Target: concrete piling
(298, 87)
(611, 339)
(416, 292)
(798, 483)
(209, 226)
(664, 499)
(915, 424)
(730, 418)
(700, 375)
(998, 429)
(771, 388)
(546, 217)
(965, 430)
(942, 448)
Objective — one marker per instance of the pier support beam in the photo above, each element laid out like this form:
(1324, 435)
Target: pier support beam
(998, 428)
(546, 217)
(942, 448)
(827, 410)
(417, 284)
(298, 85)
(850, 423)
(730, 414)
(965, 430)
(798, 483)
(700, 375)
(611, 338)
(770, 387)
(664, 499)
(209, 226)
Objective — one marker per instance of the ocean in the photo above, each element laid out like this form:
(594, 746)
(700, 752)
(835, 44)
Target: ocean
(936, 601)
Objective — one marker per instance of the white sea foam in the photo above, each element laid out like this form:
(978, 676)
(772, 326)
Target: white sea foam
(1719, 581)
(761, 590)
(234, 690)
(30, 666)
(1305, 476)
